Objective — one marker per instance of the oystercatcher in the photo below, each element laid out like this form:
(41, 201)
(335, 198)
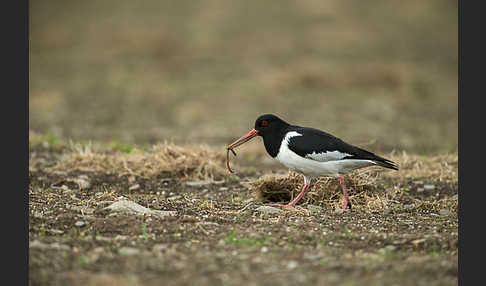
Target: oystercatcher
(311, 152)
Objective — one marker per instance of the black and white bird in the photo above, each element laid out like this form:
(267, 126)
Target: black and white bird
(311, 152)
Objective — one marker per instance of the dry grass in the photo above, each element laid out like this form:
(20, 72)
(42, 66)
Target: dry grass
(203, 162)
(440, 168)
(324, 190)
(370, 189)
(162, 160)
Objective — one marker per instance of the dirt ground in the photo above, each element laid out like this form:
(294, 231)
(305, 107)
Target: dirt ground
(402, 229)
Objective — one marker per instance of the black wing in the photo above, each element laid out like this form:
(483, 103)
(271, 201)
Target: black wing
(320, 146)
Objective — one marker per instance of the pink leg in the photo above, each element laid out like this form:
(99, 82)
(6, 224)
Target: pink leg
(292, 203)
(346, 198)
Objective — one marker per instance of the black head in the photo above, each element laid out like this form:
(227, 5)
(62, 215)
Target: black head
(269, 123)
(271, 128)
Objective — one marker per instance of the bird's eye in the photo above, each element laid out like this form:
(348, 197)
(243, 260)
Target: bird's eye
(264, 123)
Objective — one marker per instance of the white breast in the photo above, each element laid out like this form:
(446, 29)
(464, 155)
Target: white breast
(334, 166)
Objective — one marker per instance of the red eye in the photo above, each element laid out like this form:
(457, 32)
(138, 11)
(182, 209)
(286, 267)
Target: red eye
(264, 123)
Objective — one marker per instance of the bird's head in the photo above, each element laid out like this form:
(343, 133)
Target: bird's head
(268, 123)
(264, 124)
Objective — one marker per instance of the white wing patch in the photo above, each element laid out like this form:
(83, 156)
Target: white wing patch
(327, 156)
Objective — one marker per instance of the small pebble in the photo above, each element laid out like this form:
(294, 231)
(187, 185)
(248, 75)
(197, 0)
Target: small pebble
(408, 207)
(292, 265)
(444, 212)
(209, 223)
(419, 241)
(198, 183)
(128, 251)
(83, 182)
(157, 248)
(80, 223)
(174, 198)
(41, 245)
(313, 257)
(429, 187)
(314, 208)
(65, 188)
(268, 209)
(134, 187)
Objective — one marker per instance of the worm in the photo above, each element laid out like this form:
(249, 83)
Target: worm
(227, 158)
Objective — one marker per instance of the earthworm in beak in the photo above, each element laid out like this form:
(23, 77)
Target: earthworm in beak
(237, 143)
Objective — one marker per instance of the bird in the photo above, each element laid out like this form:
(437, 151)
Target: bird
(310, 152)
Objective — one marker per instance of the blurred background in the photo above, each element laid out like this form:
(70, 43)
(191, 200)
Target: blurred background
(380, 74)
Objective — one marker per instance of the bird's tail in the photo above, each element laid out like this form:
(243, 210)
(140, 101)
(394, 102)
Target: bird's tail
(386, 163)
(380, 161)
